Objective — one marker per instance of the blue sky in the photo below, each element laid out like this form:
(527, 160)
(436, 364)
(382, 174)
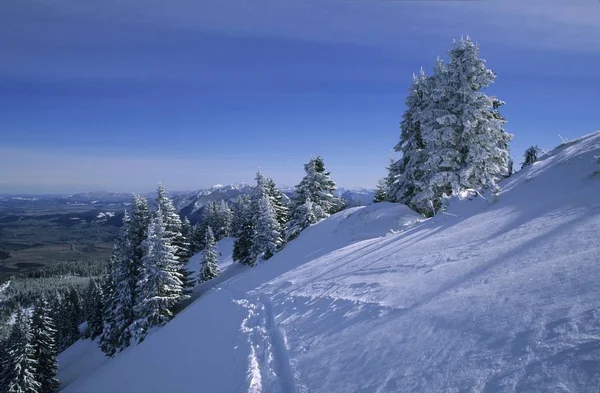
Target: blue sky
(120, 95)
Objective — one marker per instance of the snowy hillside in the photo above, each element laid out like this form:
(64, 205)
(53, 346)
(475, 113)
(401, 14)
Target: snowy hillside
(491, 297)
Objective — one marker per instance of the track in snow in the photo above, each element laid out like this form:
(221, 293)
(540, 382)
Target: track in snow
(269, 368)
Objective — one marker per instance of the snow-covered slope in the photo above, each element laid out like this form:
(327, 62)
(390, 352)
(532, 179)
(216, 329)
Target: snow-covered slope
(85, 356)
(491, 297)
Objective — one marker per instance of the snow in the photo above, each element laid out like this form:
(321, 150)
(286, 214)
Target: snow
(491, 297)
(79, 359)
(106, 214)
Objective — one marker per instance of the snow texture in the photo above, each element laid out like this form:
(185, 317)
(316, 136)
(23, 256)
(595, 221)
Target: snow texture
(491, 297)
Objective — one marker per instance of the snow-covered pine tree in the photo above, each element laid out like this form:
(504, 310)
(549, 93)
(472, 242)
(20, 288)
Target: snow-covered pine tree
(511, 169)
(210, 269)
(93, 309)
(107, 339)
(18, 374)
(279, 200)
(126, 273)
(161, 288)
(70, 317)
(404, 177)
(531, 156)
(482, 140)
(304, 216)
(119, 297)
(324, 191)
(173, 231)
(44, 345)
(317, 186)
(243, 230)
(268, 233)
(198, 235)
(187, 232)
(219, 217)
(223, 219)
(463, 133)
(380, 191)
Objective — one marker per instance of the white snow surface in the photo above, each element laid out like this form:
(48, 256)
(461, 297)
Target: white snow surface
(492, 297)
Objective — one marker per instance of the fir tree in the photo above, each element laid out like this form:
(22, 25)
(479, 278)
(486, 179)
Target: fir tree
(463, 134)
(109, 336)
(243, 230)
(173, 231)
(380, 191)
(210, 269)
(531, 156)
(318, 187)
(125, 274)
(511, 170)
(18, 374)
(187, 231)
(70, 316)
(303, 218)
(404, 178)
(279, 201)
(268, 232)
(219, 217)
(161, 288)
(94, 309)
(44, 345)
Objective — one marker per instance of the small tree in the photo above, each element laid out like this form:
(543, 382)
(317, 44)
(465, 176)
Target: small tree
(44, 345)
(210, 269)
(161, 288)
(531, 156)
(305, 216)
(93, 307)
(18, 373)
(380, 191)
(267, 238)
(243, 230)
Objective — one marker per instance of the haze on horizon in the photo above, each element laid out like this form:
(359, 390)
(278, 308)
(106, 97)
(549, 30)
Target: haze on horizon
(120, 96)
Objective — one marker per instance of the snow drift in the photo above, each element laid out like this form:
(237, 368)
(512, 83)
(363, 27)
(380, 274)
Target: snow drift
(492, 297)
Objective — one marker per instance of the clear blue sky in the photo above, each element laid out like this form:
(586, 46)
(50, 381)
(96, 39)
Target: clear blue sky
(119, 95)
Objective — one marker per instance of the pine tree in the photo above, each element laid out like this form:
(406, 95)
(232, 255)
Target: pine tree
(210, 269)
(4, 360)
(161, 288)
(93, 309)
(125, 273)
(225, 217)
(463, 134)
(198, 237)
(44, 345)
(109, 336)
(404, 178)
(511, 170)
(531, 156)
(187, 231)
(71, 316)
(243, 230)
(219, 217)
(18, 374)
(119, 296)
(317, 187)
(267, 239)
(303, 218)
(173, 230)
(279, 201)
(380, 191)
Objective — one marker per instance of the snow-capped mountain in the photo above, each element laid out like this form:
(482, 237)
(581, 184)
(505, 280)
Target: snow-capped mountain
(497, 295)
(191, 204)
(356, 196)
